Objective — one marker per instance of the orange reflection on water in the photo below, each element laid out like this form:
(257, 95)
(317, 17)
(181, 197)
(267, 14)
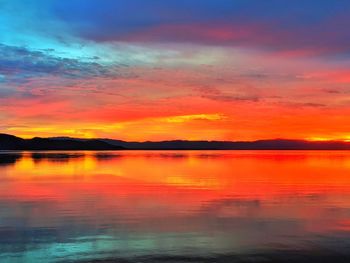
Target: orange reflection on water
(227, 199)
(210, 174)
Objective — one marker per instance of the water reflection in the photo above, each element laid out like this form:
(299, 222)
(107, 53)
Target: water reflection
(55, 156)
(7, 159)
(175, 206)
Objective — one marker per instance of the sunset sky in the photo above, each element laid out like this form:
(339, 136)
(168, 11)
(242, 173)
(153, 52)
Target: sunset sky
(175, 69)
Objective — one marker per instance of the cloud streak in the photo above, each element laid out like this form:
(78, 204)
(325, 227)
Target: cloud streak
(292, 28)
(20, 63)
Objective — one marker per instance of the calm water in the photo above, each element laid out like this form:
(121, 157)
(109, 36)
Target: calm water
(174, 206)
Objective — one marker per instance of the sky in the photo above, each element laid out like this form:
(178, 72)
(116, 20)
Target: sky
(178, 69)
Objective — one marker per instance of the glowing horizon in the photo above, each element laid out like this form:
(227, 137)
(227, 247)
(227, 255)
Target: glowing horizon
(137, 70)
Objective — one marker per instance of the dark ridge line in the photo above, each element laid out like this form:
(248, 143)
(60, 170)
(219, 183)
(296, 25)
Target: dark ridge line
(10, 142)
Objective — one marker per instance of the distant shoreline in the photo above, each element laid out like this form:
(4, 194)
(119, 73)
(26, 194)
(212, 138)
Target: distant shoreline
(13, 143)
(135, 150)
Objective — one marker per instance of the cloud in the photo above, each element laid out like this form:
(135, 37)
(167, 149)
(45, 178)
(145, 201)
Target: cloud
(231, 98)
(187, 118)
(20, 63)
(293, 28)
(305, 104)
(161, 66)
(6, 92)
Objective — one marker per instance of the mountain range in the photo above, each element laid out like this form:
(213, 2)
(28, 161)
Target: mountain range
(10, 142)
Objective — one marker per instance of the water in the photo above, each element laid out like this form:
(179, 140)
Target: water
(175, 206)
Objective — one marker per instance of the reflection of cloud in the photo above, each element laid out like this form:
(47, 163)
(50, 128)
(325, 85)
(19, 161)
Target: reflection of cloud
(137, 200)
(231, 207)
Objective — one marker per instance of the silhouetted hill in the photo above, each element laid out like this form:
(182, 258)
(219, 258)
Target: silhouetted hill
(276, 144)
(9, 142)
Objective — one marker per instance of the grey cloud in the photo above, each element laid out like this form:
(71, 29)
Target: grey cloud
(19, 63)
(228, 98)
(6, 92)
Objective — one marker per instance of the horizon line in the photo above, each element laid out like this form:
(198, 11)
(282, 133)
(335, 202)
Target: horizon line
(186, 140)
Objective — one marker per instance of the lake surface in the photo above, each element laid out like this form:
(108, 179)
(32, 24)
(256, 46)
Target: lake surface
(175, 206)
